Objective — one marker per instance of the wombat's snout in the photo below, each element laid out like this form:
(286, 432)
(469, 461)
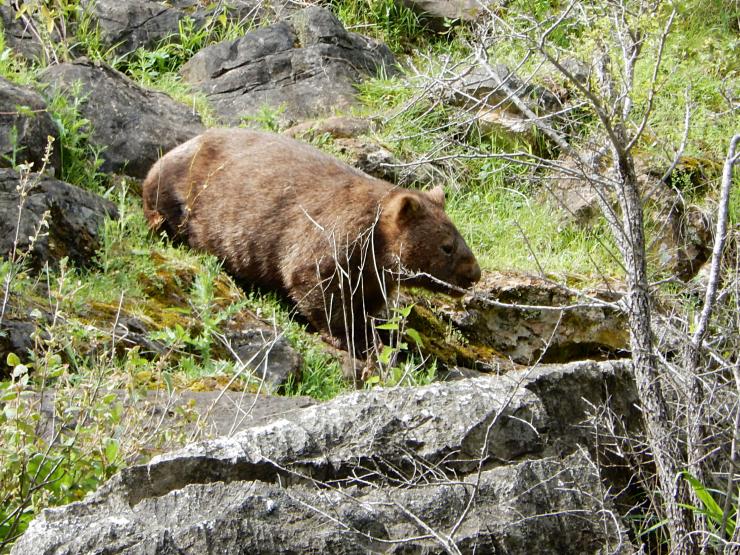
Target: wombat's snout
(474, 273)
(470, 270)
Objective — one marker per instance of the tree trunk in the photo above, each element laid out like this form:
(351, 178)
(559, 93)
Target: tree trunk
(665, 448)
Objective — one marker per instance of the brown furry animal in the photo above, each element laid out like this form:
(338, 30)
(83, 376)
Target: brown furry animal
(286, 217)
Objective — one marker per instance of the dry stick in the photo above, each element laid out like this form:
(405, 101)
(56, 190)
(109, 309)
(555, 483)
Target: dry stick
(729, 493)
(719, 245)
(695, 432)
(734, 459)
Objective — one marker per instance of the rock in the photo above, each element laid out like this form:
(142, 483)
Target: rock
(126, 25)
(195, 414)
(683, 240)
(72, 224)
(682, 236)
(226, 413)
(529, 335)
(372, 470)
(261, 350)
(337, 127)
(440, 12)
(25, 126)
(375, 160)
(16, 336)
(301, 68)
(134, 125)
(480, 90)
(265, 351)
(20, 33)
(569, 187)
(565, 89)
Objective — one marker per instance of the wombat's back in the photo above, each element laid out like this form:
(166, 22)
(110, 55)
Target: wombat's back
(257, 200)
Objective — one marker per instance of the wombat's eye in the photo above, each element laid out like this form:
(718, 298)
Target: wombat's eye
(447, 249)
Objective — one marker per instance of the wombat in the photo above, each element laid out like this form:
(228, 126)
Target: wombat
(286, 217)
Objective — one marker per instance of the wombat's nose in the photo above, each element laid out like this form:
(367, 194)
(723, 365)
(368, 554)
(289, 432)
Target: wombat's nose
(474, 274)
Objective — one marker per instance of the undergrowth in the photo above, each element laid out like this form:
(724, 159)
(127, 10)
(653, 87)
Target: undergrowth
(183, 300)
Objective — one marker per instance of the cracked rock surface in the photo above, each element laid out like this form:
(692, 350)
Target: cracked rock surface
(134, 125)
(25, 125)
(302, 67)
(385, 470)
(72, 218)
(126, 25)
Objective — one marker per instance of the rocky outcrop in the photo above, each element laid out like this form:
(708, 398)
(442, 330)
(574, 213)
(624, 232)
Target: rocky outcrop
(56, 219)
(132, 125)
(484, 91)
(25, 126)
(522, 319)
(299, 68)
(126, 25)
(576, 328)
(440, 13)
(374, 471)
(681, 238)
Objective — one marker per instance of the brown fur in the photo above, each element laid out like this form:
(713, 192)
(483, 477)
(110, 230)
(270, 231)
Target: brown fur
(287, 217)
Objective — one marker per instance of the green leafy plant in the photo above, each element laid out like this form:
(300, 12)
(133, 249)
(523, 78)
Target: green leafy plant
(721, 522)
(267, 118)
(80, 159)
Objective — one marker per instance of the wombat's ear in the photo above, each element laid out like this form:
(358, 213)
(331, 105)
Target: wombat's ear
(406, 207)
(437, 196)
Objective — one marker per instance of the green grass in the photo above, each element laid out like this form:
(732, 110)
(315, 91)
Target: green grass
(702, 38)
(12, 67)
(508, 230)
(391, 22)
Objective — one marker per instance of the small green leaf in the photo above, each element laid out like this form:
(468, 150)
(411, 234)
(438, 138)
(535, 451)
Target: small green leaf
(385, 354)
(404, 311)
(12, 360)
(111, 450)
(414, 335)
(387, 326)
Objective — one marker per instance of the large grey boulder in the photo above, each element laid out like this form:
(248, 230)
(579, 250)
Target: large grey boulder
(126, 25)
(25, 126)
(72, 219)
(303, 67)
(132, 124)
(385, 470)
